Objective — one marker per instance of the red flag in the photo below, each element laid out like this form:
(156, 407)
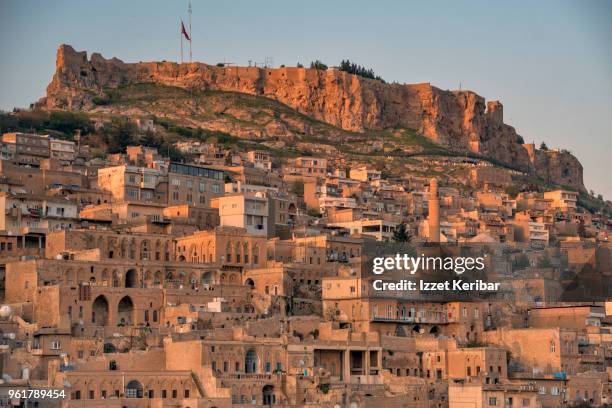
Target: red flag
(184, 31)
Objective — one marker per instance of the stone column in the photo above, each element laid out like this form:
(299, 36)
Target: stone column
(346, 366)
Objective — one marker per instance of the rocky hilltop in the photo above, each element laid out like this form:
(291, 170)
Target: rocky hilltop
(461, 120)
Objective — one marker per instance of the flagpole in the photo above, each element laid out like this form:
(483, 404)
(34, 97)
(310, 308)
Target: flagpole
(190, 32)
(181, 34)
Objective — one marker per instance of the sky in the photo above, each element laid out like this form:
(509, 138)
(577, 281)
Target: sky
(549, 62)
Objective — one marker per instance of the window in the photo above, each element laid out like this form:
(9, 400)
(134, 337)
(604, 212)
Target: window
(525, 402)
(55, 345)
(186, 393)
(202, 187)
(554, 390)
(552, 347)
(176, 182)
(216, 189)
(131, 193)
(492, 401)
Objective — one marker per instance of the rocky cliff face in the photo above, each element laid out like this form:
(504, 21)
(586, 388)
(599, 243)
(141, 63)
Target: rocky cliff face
(458, 119)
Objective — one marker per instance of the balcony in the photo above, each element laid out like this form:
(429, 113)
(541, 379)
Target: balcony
(411, 319)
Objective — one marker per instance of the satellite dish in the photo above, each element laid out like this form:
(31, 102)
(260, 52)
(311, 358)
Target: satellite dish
(5, 311)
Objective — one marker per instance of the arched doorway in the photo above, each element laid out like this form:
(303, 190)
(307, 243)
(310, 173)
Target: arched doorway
(434, 330)
(268, 396)
(157, 280)
(131, 279)
(207, 278)
(133, 389)
(125, 311)
(116, 279)
(99, 311)
(250, 282)
(250, 362)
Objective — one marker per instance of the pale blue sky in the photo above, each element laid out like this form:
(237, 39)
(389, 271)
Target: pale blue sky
(549, 62)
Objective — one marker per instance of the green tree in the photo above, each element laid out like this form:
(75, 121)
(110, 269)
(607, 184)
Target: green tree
(543, 146)
(68, 122)
(297, 188)
(401, 233)
(512, 190)
(352, 68)
(313, 212)
(316, 64)
(520, 262)
(118, 134)
(8, 122)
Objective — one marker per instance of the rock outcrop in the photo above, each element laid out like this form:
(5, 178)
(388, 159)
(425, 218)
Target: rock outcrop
(460, 120)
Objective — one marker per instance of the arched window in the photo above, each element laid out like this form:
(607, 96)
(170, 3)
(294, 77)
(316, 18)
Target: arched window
(256, 254)
(133, 389)
(228, 252)
(144, 250)
(245, 247)
(238, 252)
(158, 250)
(250, 362)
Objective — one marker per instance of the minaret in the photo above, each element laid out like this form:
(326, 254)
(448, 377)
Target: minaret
(434, 212)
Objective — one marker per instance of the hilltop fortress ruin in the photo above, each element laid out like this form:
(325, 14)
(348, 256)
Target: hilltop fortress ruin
(460, 120)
